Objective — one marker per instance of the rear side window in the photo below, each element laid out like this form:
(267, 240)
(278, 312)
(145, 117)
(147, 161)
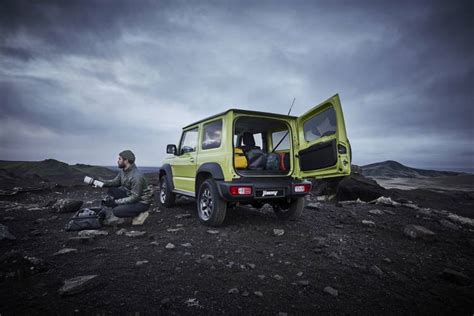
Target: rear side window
(283, 137)
(212, 135)
(323, 124)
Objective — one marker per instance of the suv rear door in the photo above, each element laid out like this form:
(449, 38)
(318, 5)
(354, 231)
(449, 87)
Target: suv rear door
(323, 150)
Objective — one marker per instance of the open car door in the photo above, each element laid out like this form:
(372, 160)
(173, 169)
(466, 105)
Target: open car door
(324, 150)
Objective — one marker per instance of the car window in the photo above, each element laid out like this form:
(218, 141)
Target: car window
(277, 137)
(323, 124)
(189, 141)
(258, 139)
(212, 135)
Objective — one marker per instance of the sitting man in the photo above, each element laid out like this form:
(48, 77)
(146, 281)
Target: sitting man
(129, 193)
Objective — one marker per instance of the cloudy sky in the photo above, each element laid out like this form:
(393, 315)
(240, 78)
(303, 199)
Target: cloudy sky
(82, 80)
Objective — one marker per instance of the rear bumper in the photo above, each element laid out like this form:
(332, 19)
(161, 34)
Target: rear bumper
(262, 189)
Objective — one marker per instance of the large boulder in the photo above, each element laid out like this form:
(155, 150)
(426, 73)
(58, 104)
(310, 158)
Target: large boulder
(356, 187)
(67, 206)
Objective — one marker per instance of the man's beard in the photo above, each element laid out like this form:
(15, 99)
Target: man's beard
(121, 166)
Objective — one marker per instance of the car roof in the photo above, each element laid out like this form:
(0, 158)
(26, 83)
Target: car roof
(242, 111)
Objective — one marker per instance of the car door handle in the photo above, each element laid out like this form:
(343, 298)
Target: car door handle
(191, 159)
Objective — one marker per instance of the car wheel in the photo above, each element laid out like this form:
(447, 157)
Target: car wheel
(290, 210)
(166, 197)
(211, 208)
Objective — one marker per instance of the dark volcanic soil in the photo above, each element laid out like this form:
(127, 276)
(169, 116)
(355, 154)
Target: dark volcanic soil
(376, 270)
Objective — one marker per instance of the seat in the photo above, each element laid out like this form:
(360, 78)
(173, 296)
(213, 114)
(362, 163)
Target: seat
(248, 142)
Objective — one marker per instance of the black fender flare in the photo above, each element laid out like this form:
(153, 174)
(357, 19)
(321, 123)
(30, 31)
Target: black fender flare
(166, 171)
(213, 168)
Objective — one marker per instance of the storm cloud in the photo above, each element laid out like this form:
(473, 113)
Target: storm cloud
(82, 80)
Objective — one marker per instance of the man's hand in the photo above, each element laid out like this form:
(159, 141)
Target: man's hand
(109, 202)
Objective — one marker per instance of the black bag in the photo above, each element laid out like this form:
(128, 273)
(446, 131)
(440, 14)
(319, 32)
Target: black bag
(273, 161)
(84, 219)
(257, 159)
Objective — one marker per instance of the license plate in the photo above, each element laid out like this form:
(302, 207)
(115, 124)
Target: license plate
(270, 193)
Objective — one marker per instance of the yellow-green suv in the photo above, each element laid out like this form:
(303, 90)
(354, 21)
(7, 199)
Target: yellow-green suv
(250, 157)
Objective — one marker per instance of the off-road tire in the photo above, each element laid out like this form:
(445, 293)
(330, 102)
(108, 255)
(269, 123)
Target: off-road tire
(292, 210)
(166, 197)
(211, 208)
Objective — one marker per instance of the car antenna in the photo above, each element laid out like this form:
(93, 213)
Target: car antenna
(291, 107)
(289, 111)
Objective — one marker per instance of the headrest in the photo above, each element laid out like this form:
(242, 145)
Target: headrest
(248, 139)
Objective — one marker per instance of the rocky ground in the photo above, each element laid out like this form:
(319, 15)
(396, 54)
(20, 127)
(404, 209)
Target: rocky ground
(404, 255)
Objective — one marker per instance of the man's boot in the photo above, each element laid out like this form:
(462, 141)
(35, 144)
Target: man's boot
(140, 219)
(110, 219)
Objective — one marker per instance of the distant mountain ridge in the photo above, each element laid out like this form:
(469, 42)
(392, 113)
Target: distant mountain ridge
(394, 169)
(52, 170)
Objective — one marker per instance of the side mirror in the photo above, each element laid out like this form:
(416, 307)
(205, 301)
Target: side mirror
(171, 149)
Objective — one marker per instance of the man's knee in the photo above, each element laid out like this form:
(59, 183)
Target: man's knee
(130, 210)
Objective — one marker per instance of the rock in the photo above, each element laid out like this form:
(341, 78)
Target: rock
(64, 251)
(455, 277)
(299, 274)
(212, 232)
(389, 212)
(140, 263)
(165, 302)
(376, 212)
(207, 257)
(314, 205)
(387, 260)
(121, 231)
(331, 291)
(187, 245)
(135, 233)
(78, 284)
(376, 270)
(5, 233)
(233, 291)
(415, 232)
(179, 216)
(461, 220)
(278, 232)
(385, 201)
(448, 224)
(352, 202)
(258, 293)
(154, 243)
(251, 265)
(245, 293)
(92, 232)
(368, 223)
(175, 230)
(8, 218)
(303, 282)
(356, 187)
(67, 206)
(170, 246)
(261, 276)
(278, 277)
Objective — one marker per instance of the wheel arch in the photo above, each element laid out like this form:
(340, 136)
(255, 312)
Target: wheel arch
(208, 170)
(165, 171)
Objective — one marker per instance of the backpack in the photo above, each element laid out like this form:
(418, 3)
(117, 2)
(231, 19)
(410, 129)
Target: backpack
(257, 159)
(240, 161)
(85, 218)
(273, 161)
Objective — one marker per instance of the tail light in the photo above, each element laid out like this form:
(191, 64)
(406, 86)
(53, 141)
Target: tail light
(302, 188)
(240, 190)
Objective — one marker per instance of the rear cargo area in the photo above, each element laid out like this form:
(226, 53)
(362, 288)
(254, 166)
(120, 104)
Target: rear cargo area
(262, 146)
